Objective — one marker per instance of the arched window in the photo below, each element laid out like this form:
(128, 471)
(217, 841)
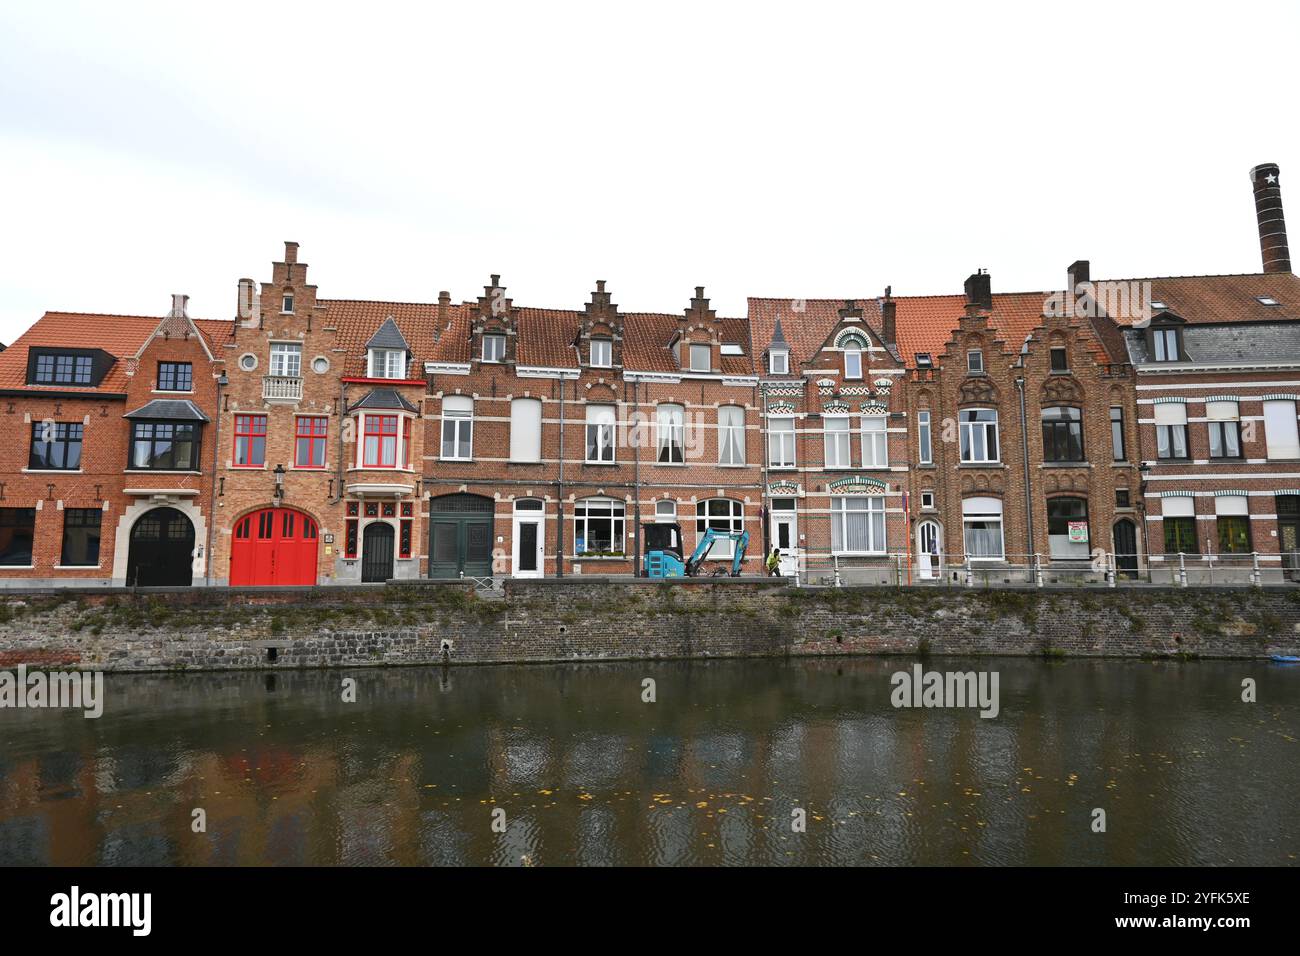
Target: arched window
(852, 346)
(666, 510)
(720, 514)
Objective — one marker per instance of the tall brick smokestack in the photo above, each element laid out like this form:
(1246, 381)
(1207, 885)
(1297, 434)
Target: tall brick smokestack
(1268, 210)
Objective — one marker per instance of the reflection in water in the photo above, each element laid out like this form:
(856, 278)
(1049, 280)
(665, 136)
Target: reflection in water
(710, 774)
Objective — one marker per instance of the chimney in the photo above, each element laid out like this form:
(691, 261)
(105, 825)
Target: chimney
(888, 327)
(1268, 212)
(290, 253)
(979, 291)
(1078, 273)
(179, 305)
(444, 315)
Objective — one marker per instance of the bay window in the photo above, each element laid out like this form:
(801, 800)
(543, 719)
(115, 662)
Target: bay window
(858, 524)
(164, 446)
(457, 428)
(379, 441)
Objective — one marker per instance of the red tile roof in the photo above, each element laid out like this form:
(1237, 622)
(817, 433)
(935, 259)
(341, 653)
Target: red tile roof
(925, 323)
(119, 335)
(358, 319)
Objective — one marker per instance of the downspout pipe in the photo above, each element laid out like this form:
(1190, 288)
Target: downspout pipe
(559, 502)
(1024, 461)
(212, 497)
(636, 483)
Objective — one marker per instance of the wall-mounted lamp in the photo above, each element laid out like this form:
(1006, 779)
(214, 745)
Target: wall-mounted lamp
(278, 495)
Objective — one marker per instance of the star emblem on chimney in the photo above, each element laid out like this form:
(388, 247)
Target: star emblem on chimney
(1270, 178)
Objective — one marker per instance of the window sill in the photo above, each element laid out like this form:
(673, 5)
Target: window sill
(981, 464)
(77, 567)
(743, 464)
(534, 461)
(600, 464)
(461, 461)
(1065, 464)
(51, 471)
(172, 391)
(782, 467)
(598, 557)
(159, 471)
(860, 554)
(17, 567)
(233, 467)
(324, 467)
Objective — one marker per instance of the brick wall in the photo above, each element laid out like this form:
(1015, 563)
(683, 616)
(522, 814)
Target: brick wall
(424, 623)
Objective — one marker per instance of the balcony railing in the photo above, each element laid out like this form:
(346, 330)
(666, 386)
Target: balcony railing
(281, 388)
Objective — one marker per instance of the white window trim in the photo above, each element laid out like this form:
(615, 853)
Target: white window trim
(875, 437)
(839, 515)
(793, 440)
(460, 418)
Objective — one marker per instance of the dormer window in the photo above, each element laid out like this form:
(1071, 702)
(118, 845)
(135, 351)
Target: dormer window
(924, 360)
(494, 348)
(602, 353)
(701, 358)
(1165, 345)
(63, 369)
(387, 363)
(778, 362)
(286, 304)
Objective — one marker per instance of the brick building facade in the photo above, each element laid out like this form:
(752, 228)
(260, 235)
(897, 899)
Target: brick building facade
(1103, 426)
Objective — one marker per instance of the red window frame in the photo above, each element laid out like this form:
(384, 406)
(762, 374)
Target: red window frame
(406, 443)
(248, 428)
(382, 428)
(310, 429)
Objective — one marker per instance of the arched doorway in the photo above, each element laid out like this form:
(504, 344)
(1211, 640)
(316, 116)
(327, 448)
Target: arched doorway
(1126, 550)
(377, 552)
(274, 546)
(460, 535)
(929, 550)
(161, 552)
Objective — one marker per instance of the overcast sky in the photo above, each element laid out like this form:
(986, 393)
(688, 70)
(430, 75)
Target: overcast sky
(791, 150)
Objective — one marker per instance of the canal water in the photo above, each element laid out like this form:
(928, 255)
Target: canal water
(576, 767)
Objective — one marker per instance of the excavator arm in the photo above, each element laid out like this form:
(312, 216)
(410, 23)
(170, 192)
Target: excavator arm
(706, 544)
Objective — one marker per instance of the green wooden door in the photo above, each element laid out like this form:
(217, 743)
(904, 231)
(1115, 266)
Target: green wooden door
(460, 536)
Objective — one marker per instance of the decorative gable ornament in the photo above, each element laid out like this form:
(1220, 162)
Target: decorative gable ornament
(858, 485)
(784, 488)
(874, 408)
(835, 408)
(781, 408)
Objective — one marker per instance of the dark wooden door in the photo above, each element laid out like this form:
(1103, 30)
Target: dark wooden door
(161, 552)
(377, 552)
(460, 536)
(1126, 558)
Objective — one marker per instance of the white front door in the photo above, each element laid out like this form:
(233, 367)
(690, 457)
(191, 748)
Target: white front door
(785, 537)
(527, 557)
(929, 558)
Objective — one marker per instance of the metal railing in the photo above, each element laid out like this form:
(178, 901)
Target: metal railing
(281, 388)
(1102, 569)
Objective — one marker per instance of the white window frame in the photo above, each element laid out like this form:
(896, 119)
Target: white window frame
(285, 360)
(670, 434)
(286, 303)
(975, 361)
(1280, 436)
(875, 441)
(966, 436)
(781, 440)
(618, 523)
(665, 511)
(387, 363)
(458, 414)
(526, 429)
(494, 337)
(837, 441)
(852, 359)
(733, 521)
(983, 511)
(602, 353)
(1171, 431)
(697, 349)
(781, 367)
(604, 419)
(1162, 340)
(874, 514)
(926, 448)
(731, 435)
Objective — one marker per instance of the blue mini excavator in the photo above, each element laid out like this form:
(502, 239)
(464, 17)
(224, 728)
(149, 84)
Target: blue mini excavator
(663, 551)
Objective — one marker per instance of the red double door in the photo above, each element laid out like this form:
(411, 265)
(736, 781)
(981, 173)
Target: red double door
(274, 546)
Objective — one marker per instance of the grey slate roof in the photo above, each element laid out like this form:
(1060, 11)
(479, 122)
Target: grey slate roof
(383, 398)
(1265, 342)
(173, 409)
(388, 336)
